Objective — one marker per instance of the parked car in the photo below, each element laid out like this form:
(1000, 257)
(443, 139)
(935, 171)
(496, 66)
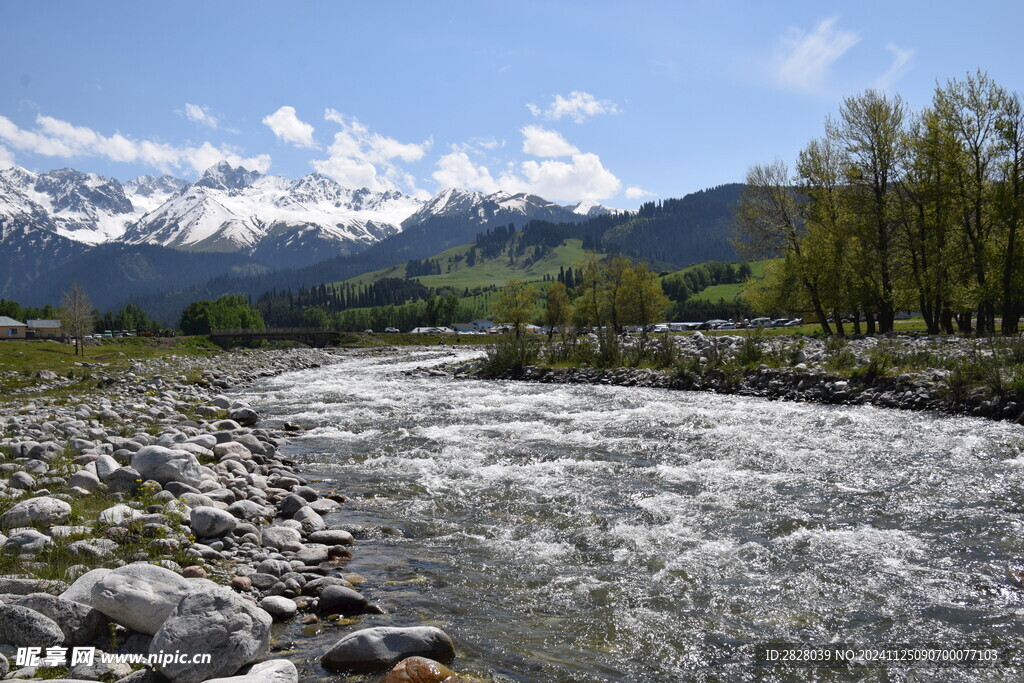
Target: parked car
(391, 329)
(367, 331)
(794, 322)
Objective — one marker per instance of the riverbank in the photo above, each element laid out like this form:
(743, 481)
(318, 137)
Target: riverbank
(952, 375)
(144, 512)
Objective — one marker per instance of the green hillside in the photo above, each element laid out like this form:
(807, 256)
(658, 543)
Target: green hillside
(458, 275)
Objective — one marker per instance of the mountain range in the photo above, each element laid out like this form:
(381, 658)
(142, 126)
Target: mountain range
(279, 221)
(166, 242)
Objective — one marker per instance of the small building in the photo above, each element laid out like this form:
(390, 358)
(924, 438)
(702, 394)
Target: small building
(12, 329)
(43, 329)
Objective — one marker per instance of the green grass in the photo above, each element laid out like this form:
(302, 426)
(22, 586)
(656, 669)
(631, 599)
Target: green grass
(495, 271)
(25, 358)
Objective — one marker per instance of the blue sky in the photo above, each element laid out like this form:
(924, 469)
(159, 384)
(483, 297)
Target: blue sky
(605, 101)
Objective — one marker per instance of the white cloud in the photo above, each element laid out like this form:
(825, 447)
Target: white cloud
(585, 177)
(55, 138)
(541, 142)
(636, 192)
(458, 170)
(200, 114)
(900, 61)
(581, 177)
(803, 59)
(359, 158)
(288, 128)
(578, 106)
(6, 158)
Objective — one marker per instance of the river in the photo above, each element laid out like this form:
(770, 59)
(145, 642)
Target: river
(593, 533)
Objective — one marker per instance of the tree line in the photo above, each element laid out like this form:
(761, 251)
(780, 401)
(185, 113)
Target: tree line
(896, 210)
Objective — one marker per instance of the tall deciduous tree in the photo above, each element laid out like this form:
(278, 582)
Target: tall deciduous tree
(516, 304)
(76, 315)
(557, 308)
(870, 131)
(770, 225)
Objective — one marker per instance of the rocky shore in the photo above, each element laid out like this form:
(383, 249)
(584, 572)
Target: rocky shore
(155, 517)
(952, 375)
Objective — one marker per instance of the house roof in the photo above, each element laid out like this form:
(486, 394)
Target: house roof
(10, 322)
(46, 324)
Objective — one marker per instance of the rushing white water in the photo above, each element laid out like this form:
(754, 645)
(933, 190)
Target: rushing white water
(571, 532)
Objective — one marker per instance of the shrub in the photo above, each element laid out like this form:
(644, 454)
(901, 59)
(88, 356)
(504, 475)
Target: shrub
(510, 355)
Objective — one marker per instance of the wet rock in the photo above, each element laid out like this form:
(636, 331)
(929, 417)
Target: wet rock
(332, 537)
(310, 520)
(341, 600)
(214, 620)
(377, 649)
(420, 670)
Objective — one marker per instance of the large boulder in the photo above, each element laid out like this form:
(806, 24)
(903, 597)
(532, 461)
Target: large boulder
(216, 621)
(377, 649)
(79, 623)
(272, 671)
(209, 522)
(24, 627)
(81, 589)
(162, 464)
(41, 511)
(139, 596)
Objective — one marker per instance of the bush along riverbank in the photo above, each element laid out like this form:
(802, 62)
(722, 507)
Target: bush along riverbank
(982, 377)
(156, 517)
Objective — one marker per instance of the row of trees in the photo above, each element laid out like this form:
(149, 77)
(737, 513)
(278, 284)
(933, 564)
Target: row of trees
(615, 292)
(894, 210)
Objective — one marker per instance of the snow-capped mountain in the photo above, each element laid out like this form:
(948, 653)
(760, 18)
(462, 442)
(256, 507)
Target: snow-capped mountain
(589, 209)
(277, 221)
(232, 209)
(84, 207)
(149, 192)
(499, 207)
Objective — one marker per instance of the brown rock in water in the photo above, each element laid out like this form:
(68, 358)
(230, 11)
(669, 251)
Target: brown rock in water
(421, 670)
